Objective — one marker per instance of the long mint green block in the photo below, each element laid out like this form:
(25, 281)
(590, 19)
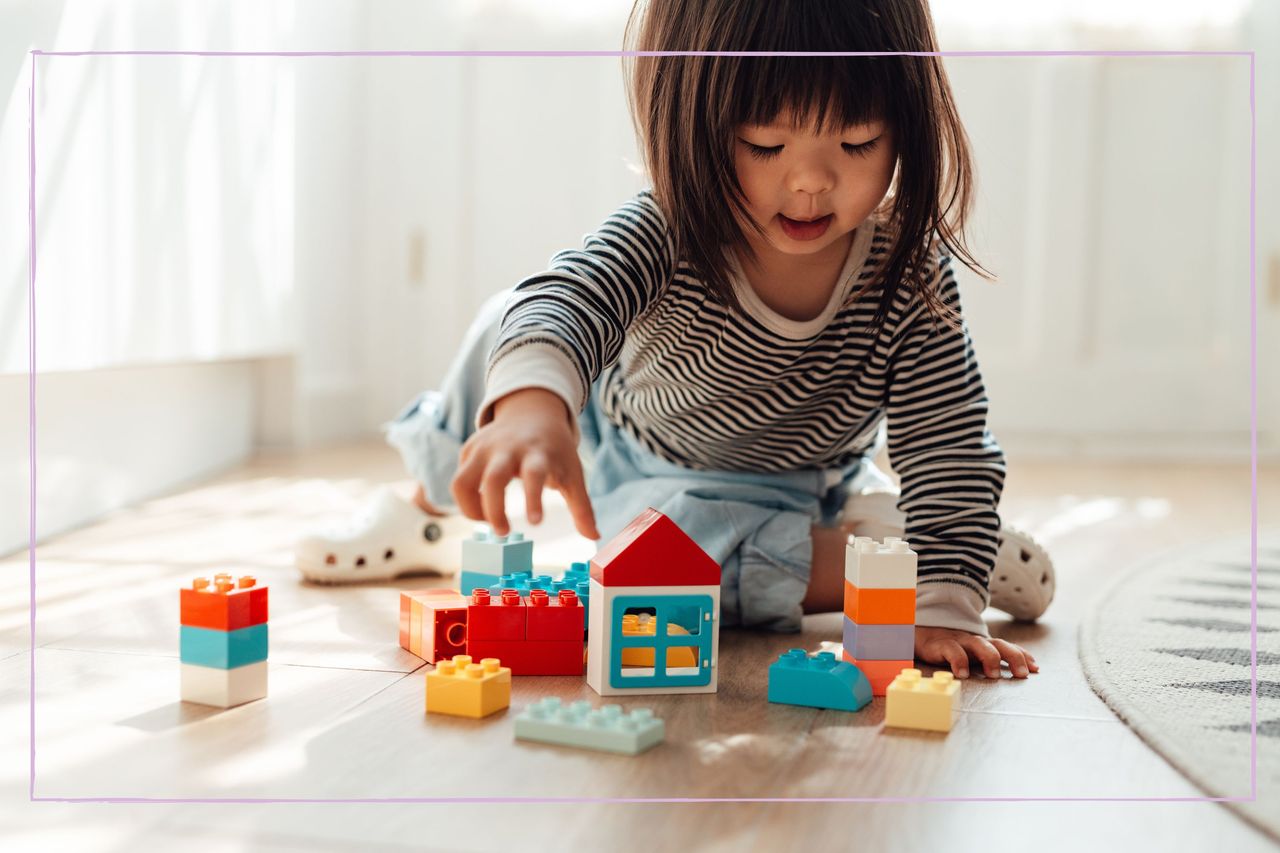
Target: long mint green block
(223, 649)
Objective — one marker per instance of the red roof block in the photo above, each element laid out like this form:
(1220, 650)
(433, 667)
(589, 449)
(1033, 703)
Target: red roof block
(653, 551)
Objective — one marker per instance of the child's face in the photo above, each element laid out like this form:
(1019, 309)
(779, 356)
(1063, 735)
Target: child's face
(790, 175)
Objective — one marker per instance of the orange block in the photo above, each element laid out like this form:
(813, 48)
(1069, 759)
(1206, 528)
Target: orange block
(433, 623)
(880, 673)
(880, 606)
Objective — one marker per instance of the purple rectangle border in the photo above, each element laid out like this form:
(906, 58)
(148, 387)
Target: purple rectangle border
(1253, 423)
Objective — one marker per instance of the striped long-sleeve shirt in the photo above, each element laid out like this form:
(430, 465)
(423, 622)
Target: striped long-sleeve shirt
(709, 387)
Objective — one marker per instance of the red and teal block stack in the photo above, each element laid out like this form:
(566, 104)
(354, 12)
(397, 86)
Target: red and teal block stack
(223, 643)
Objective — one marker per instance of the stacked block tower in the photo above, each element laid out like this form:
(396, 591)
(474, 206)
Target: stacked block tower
(879, 608)
(223, 642)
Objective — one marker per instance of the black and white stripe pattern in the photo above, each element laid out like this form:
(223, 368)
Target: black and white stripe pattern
(715, 389)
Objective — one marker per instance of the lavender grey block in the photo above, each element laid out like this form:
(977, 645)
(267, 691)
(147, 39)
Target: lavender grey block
(879, 642)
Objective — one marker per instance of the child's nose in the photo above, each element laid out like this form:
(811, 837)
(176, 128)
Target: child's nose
(813, 178)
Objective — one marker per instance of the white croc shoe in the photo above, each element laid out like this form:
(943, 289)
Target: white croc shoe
(390, 537)
(1023, 580)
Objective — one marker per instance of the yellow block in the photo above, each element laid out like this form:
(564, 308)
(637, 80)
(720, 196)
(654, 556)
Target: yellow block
(465, 689)
(912, 702)
(634, 626)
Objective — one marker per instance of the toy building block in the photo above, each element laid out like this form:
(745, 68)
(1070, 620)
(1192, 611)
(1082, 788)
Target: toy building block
(538, 635)
(433, 623)
(497, 555)
(873, 565)
(817, 682)
(576, 578)
(880, 606)
(469, 581)
(222, 645)
(607, 729)
(652, 567)
(879, 642)
(919, 703)
(223, 688)
(491, 617)
(223, 603)
(223, 649)
(461, 688)
(879, 672)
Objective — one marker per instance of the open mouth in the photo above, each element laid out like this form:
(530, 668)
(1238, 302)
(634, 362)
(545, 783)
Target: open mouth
(800, 230)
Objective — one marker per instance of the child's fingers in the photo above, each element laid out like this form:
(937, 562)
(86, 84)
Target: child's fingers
(985, 653)
(1015, 656)
(1031, 661)
(955, 656)
(953, 653)
(573, 488)
(493, 488)
(465, 488)
(533, 473)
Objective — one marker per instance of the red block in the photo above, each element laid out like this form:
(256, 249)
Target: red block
(223, 604)
(490, 618)
(554, 619)
(528, 658)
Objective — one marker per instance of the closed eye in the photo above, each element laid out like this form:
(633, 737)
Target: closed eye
(762, 153)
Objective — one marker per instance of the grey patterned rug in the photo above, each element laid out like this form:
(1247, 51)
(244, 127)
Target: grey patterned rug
(1167, 647)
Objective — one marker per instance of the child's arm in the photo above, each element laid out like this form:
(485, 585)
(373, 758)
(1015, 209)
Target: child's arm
(561, 329)
(952, 474)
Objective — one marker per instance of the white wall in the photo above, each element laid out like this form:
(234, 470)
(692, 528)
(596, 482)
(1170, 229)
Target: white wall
(337, 221)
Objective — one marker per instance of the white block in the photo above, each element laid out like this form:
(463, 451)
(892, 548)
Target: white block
(224, 688)
(869, 564)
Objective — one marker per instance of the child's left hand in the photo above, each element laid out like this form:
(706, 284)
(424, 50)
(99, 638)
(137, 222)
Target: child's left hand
(943, 646)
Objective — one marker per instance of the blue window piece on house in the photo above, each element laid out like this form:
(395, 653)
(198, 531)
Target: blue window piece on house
(683, 634)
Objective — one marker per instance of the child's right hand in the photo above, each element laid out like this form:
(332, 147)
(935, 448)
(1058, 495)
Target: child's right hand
(531, 437)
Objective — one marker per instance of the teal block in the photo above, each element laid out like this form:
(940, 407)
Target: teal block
(469, 581)
(223, 649)
(608, 729)
(817, 682)
(497, 555)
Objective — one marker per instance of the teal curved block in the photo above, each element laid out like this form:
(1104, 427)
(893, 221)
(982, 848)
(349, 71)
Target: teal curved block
(817, 682)
(223, 649)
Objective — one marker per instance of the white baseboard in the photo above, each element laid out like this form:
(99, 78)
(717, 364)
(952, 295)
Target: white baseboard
(109, 438)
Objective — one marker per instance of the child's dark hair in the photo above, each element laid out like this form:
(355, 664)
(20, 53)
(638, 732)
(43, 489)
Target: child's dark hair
(686, 109)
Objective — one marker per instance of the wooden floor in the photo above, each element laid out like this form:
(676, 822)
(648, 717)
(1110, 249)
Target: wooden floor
(345, 716)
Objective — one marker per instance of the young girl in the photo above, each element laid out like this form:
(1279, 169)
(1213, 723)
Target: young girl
(726, 346)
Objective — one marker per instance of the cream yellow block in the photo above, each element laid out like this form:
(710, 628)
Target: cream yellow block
(465, 689)
(913, 702)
